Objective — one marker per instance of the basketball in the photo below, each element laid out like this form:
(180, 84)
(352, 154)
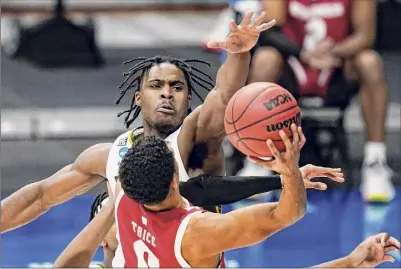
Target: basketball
(258, 112)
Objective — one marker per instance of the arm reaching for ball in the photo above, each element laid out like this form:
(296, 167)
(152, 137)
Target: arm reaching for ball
(206, 123)
(215, 233)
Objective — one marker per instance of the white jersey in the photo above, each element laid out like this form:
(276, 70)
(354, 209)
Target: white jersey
(117, 152)
(121, 146)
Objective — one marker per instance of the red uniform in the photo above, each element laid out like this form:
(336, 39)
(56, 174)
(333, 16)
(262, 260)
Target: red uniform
(308, 22)
(152, 239)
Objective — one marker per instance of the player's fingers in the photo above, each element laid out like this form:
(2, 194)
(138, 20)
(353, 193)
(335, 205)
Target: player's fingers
(388, 258)
(391, 249)
(233, 25)
(316, 185)
(247, 19)
(323, 169)
(259, 19)
(384, 237)
(286, 140)
(336, 178)
(276, 154)
(302, 138)
(295, 135)
(393, 242)
(266, 26)
(217, 44)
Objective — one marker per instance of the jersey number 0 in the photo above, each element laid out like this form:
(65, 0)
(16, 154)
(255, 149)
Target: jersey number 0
(140, 250)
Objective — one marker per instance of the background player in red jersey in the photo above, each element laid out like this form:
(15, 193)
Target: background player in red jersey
(323, 48)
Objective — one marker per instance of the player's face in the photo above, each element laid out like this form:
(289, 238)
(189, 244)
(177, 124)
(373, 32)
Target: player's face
(164, 98)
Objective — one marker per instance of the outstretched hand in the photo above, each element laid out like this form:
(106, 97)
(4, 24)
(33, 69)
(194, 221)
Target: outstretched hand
(372, 252)
(244, 36)
(310, 171)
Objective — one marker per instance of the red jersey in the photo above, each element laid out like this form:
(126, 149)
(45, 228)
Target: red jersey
(307, 23)
(152, 239)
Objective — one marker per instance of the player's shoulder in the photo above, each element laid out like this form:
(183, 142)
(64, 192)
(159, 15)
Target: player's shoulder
(127, 138)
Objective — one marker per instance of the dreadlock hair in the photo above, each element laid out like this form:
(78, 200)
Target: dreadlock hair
(141, 65)
(97, 205)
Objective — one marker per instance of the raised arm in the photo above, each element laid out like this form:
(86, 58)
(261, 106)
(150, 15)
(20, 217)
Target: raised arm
(206, 124)
(215, 233)
(33, 200)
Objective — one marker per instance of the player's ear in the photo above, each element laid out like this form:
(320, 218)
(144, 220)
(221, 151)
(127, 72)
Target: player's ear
(138, 98)
(189, 101)
(175, 182)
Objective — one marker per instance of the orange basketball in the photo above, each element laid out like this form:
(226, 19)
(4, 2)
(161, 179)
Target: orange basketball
(258, 112)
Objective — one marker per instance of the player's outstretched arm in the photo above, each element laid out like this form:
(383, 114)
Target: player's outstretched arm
(208, 120)
(209, 190)
(80, 251)
(215, 233)
(31, 201)
(372, 252)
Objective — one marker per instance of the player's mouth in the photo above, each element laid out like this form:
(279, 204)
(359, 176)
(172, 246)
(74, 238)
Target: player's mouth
(165, 108)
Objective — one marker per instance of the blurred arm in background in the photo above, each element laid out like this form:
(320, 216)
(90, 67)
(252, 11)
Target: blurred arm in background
(363, 20)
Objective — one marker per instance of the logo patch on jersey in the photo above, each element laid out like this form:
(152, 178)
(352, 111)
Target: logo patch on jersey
(122, 142)
(144, 221)
(122, 152)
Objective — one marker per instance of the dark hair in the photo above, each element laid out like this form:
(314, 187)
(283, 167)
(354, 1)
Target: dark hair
(146, 171)
(97, 205)
(136, 73)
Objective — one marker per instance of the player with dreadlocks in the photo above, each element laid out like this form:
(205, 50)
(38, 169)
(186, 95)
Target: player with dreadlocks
(163, 94)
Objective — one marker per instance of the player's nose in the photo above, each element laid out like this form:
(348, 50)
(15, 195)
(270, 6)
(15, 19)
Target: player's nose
(167, 92)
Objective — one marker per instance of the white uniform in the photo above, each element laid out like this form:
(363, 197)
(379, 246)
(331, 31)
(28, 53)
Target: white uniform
(117, 152)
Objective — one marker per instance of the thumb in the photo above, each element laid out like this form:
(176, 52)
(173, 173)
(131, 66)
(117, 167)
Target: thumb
(217, 44)
(264, 163)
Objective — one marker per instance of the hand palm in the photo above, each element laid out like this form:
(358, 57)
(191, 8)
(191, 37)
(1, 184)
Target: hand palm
(374, 257)
(241, 40)
(372, 251)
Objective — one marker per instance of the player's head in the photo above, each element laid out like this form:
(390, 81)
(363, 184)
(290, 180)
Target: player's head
(163, 88)
(148, 172)
(110, 241)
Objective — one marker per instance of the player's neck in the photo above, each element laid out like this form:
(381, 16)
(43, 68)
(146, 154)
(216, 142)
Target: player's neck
(149, 130)
(173, 202)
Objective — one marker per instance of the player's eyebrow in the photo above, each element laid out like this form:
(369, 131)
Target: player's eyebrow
(171, 82)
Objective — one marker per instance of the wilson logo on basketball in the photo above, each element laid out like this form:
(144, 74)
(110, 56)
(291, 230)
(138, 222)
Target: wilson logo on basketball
(280, 125)
(278, 100)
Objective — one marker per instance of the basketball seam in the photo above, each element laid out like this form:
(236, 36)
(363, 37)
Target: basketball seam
(247, 106)
(239, 140)
(262, 140)
(235, 129)
(256, 122)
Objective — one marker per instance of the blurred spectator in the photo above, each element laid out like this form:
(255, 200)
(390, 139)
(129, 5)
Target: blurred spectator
(323, 48)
